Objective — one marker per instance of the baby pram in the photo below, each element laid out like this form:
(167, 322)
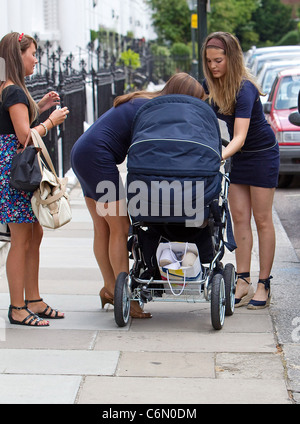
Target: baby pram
(177, 196)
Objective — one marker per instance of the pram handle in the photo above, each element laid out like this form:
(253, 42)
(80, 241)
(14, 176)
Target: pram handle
(228, 160)
(224, 142)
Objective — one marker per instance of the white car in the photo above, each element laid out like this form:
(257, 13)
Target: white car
(259, 61)
(269, 72)
(254, 52)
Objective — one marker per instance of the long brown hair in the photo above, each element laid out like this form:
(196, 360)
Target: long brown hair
(11, 48)
(180, 83)
(223, 91)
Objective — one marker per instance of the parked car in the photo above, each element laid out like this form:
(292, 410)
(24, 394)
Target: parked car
(282, 101)
(268, 73)
(259, 61)
(254, 52)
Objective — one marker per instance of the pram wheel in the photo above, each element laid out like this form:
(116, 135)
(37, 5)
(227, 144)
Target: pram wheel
(218, 301)
(122, 300)
(229, 278)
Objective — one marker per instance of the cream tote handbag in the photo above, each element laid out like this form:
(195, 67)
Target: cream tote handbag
(50, 202)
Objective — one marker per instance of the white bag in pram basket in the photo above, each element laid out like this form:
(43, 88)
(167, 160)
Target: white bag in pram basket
(178, 261)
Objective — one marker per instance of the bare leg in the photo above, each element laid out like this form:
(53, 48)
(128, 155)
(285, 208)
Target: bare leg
(32, 291)
(101, 245)
(32, 262)
(17, 266)
(262, 201)
(240, 206)
(118, 224)
(111, 224)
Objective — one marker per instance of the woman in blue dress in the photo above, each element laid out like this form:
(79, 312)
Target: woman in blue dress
(95, 157)
(19, 112)
(235, 97)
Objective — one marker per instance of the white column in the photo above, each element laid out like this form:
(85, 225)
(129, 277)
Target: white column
(51, 19)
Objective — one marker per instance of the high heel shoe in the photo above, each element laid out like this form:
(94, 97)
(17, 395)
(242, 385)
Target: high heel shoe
(137, 312)
(245, 299)
(261, 304)
(106, 297)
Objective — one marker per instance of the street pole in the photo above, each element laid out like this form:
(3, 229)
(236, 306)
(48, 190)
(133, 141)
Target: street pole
(194, 27)
(202, 33)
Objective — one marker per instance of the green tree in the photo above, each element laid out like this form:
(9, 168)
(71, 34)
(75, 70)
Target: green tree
(260, 22)
(171, 20)
(273, 20)
(229, 15)
(130, 58)
(234, 16)
(180, 53)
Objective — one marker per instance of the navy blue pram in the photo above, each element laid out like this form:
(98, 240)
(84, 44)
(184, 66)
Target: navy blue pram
(176, 193)
(176, 138)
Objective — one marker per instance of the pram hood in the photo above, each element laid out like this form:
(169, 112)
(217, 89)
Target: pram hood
(175, 135)
(173, 161)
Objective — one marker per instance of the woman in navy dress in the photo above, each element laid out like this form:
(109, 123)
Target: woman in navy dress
(19, 112)
(235, 97)
(95, 157)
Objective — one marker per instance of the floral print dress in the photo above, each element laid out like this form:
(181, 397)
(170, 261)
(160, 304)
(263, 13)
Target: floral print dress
(15, 205)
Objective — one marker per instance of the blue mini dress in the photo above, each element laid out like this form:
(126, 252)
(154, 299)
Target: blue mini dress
(257, 164)
(96, 154)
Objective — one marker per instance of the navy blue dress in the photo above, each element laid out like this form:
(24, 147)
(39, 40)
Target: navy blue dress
(96, 154)
(257, 164)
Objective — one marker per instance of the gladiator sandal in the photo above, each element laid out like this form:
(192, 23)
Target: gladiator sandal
(32, 320)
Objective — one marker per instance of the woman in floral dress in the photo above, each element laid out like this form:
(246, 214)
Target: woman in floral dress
(19, 113)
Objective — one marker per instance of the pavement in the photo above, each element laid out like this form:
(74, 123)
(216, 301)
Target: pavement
(175, 358)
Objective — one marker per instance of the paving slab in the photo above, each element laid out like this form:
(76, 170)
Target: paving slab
(185, 342)
(48, 339)
(260, 366)
(66, 303)
(71, 273)
(49, 362)
(67, 253)
(38, 389)
(196, 317)
(166, 364)
(81, 287)
(162, 391)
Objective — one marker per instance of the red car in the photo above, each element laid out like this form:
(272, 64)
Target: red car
(282, 101)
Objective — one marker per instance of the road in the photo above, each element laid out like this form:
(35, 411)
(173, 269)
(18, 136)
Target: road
(287, 205)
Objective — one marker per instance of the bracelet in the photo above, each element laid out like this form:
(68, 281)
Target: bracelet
(51, 122)
(46, 129)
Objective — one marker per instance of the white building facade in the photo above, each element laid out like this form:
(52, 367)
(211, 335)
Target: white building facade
(69, 22)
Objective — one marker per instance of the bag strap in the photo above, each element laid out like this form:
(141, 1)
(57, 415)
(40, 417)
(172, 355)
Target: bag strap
(174, 255)
(21, 150)
(38, 142)
(170, 285)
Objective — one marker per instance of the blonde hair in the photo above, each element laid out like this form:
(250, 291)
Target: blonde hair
(180, 83)
(223, 91)
(11, 48)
